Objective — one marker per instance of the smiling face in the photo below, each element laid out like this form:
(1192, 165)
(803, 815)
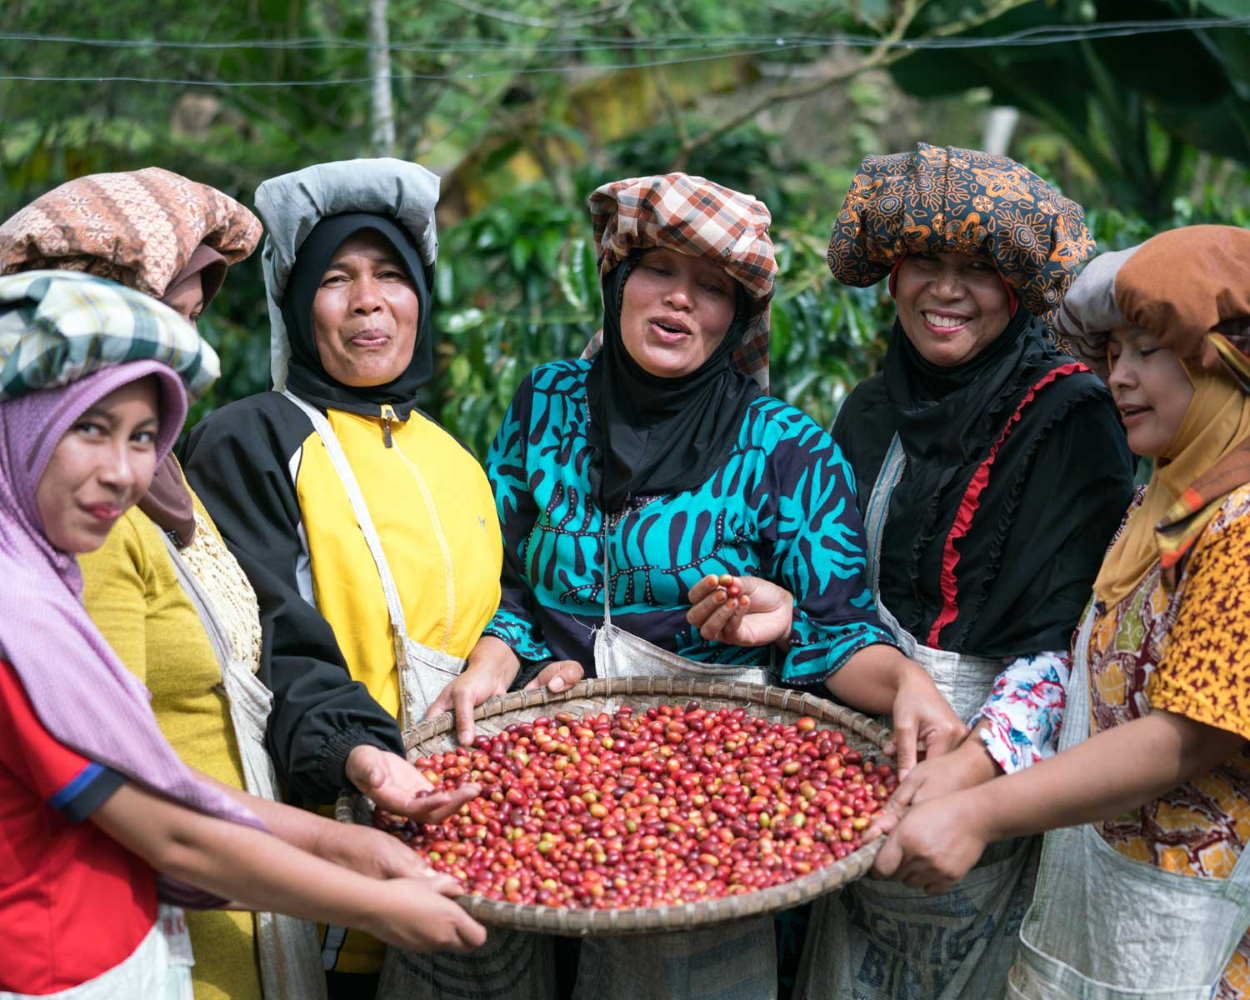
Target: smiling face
(100, 468)
(675, 311)
(365, 313)
(951, 305)
(1151, 390)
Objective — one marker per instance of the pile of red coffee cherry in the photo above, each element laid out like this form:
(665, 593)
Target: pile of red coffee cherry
(631, 809)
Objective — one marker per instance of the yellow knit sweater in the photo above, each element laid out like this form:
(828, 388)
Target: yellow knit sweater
(133, 595)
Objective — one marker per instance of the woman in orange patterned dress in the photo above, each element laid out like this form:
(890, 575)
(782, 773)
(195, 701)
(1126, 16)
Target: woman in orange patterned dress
(1144, 887)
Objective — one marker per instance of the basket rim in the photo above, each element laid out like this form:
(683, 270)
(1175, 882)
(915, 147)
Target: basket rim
(577, 921)
(768, 695)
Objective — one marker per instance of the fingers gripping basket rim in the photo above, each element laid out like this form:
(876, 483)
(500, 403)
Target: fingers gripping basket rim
(606, 695)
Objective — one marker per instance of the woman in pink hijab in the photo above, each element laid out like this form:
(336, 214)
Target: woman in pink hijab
(103, 825)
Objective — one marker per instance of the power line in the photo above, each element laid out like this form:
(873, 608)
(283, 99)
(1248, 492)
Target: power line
(1041, 34)
(755, 45)
(340, 81)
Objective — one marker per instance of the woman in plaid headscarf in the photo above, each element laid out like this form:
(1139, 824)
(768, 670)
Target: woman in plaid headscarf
(630, 485)
(992, 471)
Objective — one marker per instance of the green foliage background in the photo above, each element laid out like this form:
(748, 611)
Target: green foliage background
(523, 119)
(517, 286)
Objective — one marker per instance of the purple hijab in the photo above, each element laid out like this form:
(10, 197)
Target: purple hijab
(80, 690)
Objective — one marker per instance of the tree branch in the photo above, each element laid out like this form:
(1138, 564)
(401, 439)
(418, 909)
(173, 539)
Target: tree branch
(665, 93)
(882, 54)
(671, 109)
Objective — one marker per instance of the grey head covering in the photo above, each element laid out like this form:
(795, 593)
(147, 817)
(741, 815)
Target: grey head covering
(1089, 311)
(292, 204)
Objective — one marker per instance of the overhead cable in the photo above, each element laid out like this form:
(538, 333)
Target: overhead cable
(722, 47)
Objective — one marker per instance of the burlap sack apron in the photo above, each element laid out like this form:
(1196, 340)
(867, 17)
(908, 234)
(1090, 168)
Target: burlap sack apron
(1105, 927)
(288, 951)
(735, 962)
(158, 969)
(510, 964)
(881, 940)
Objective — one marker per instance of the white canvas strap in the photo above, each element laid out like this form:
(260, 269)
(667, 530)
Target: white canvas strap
(607, 575)
(338, 458)
(287, 948)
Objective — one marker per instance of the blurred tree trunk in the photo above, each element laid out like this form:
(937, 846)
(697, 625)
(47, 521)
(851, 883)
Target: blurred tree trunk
(382, 111)
(1000, 126)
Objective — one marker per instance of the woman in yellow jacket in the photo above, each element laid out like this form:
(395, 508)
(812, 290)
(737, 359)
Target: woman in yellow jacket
(348, 506)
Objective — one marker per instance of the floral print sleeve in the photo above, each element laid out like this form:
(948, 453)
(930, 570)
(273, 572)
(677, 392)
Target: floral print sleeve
(1205, 673)
(1025, 709)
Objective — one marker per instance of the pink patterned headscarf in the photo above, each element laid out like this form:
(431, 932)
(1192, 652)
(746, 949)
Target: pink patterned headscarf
(139, 228)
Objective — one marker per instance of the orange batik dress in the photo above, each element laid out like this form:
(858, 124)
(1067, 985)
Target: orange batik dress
(1185, 648)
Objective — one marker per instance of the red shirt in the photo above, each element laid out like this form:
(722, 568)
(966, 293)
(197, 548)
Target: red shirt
(73, 902)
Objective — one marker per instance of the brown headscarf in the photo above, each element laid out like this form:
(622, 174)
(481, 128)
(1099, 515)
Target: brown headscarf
(151, 230)
(206, 265)
(1190, 288)
(139, 228)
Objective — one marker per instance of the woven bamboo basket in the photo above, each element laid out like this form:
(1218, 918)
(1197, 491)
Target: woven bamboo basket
(776, 704)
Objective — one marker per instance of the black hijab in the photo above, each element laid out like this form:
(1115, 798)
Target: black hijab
(653, 435)
(948, 414)
(1023, 570)
(307, 377)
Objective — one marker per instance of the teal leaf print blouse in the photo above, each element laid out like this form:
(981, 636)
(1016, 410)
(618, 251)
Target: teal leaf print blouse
(781, 507)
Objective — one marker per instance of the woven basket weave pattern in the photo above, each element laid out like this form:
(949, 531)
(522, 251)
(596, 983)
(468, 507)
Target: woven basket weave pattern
(437, 735)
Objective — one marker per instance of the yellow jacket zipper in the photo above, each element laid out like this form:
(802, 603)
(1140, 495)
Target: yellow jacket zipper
(388, 414)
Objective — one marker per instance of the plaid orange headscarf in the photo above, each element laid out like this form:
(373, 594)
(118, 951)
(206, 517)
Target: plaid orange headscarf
(698, 217)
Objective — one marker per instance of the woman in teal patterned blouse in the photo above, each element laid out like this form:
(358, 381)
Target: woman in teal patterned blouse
(664, 447)
(661, 515)
(781, 507)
